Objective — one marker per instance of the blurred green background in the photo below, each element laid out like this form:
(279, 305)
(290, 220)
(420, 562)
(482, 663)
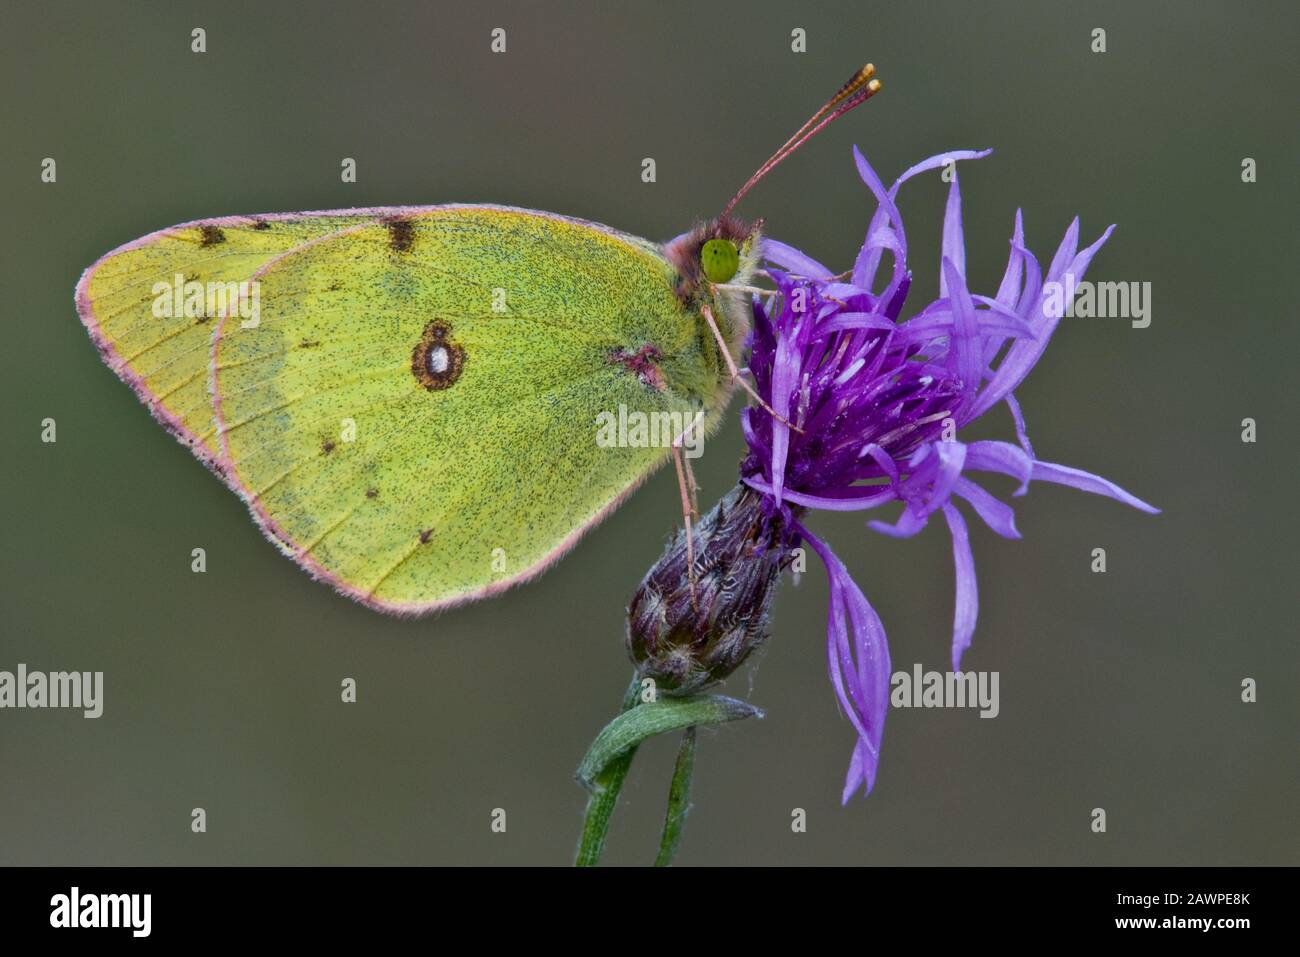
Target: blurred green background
(1119, 691)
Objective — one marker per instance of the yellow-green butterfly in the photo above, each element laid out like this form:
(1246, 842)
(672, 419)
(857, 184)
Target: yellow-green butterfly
(406, 397)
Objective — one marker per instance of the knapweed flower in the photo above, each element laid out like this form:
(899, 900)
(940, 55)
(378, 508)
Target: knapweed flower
(876, 406)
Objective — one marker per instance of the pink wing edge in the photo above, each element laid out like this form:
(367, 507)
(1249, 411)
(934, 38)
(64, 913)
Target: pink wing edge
(221, 465)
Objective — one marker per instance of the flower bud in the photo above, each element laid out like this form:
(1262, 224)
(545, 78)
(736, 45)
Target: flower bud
(686, 635)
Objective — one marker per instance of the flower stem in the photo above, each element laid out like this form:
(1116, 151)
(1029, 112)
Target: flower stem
(604, 795)
(607, 760)
(679, 799)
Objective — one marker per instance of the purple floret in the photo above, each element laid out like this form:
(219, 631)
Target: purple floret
(876, 405)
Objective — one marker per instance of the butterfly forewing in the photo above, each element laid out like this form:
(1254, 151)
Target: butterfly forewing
(128, 301)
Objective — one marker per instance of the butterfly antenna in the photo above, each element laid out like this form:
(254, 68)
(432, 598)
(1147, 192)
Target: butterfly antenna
(860, 87)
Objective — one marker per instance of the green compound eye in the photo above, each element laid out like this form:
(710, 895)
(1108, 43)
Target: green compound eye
(720, 259)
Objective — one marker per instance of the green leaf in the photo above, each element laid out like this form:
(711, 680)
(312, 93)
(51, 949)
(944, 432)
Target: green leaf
(630, 728)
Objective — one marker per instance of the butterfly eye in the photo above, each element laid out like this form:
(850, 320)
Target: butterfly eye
(720, 259)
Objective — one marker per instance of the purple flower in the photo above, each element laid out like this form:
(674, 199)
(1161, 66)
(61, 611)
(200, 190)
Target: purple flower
(876, 405)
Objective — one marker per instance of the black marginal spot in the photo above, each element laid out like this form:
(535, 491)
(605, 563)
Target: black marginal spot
(327, 447)
(401, 234)
(210, 235)
(438, 359)
(309, 344)
(261, 224)
(372, 493)
(425, 536)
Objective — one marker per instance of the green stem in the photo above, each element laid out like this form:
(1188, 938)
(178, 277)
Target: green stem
(679, 799)
(604, 793)
(610, 756)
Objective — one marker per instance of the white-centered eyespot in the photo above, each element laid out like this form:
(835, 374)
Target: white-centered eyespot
(439, 360)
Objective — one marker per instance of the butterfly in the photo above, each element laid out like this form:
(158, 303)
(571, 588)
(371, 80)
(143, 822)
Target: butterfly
(406, 397)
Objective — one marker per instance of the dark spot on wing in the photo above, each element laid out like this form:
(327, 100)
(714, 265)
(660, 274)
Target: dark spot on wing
(309, 344)
(211, 235)
(327, 447)
(438, 359)
(425, 536)
(261, 224)
(372, 493)
(334, 286)
(401, 234)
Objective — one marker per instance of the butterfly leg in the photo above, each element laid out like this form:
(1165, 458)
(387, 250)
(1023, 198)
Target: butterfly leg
(685, 474)
(735, 373)
(687, 487)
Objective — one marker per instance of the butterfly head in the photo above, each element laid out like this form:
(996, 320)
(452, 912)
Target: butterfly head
(716, 260)
(727, 250)
(721, 250)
